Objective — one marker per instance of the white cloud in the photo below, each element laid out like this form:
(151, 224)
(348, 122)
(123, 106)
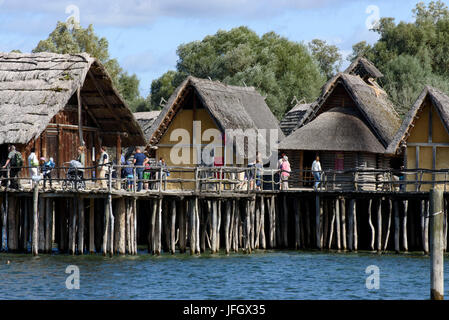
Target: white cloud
(139, 12)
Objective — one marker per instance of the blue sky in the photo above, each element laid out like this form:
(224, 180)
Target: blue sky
(144, 34)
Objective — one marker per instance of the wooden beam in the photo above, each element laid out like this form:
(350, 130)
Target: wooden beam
(80, 119)
(107, 103)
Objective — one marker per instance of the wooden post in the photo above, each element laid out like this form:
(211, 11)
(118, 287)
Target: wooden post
(404, 226)
(325, 223)
(263, 242)
(197, 226)
(173, 227)
(227, 226)
(25, 225)
(80, 225)
(343, 221)
(356, 236)
(387, 237)
(106, 227)
(111, 223)
(182, 227)
(35, 232)
(41, 223)
(317, 221)
(309, 238)
(192, 226)
(351, 225)
(396, 227)
(370, 222)
(128, 221)
(72, 227)
(214, 221)
(48, 225)
(134, 226)
(426, 227)
(337, 218)
(120, 226)
(159, 227)
(119, 156)
(285, 222)
(379, 226)
(152, 229)
(436, 244)
(257, 225)
(331, 231)
(91, 225)
(297, 229)
(12, 225)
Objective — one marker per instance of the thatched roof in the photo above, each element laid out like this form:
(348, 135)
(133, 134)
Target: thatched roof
(339, 129)
(145, 120)
(34, 87)
(292, 118)
(231, 107)
(363, 68)
(441, 103)
(372, 102)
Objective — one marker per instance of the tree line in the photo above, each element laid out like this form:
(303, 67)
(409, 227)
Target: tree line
(409, 54)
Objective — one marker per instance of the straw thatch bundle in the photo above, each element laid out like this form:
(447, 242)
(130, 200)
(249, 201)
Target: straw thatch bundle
(231, 107)
(339, 129)
(35, 87)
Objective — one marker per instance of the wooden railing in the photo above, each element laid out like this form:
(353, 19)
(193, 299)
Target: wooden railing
(220, 179)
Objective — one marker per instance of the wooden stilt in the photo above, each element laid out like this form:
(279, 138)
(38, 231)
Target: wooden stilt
(297, 228)
(217, 248)
(351, 225)
(404, 226)
(343, 222)
(285, 222)
(379, 226)
(35, 231)
(263, 241)
(257, 225)
(104, 248)
(426, 227)
(308, 227)
(111, 225)
(159, 227)
(197, 227)
(173, 227)
(325, 223)
(214, 222)
(80, 225)
(91, 225)
(387, 237)
(331, 231)
(396, 227)
(370, 222)
(318, 221)
(182, 227)
(13, 236)
(192, 226)
(48, 224)
(356, 235)
(337, 219)
(25, 225)
(436, 255)
(41, 224)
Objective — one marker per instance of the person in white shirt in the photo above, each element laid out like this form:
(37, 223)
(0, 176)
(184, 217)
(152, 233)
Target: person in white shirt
(316, 170)
(33, 163)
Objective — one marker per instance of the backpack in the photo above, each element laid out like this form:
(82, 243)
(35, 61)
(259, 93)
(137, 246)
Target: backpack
(17, 161)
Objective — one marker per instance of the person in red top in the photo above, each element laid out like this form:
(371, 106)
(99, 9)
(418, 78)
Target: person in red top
(285, 173)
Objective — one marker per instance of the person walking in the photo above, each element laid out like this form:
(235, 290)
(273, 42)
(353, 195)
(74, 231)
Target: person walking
(285, 173)
(316, 170)
(102, 163)
(139, 161)
(15, 162)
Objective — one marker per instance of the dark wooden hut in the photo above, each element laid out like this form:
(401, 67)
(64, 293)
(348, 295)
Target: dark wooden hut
(56, 102)
(349, 126)
(292, 118)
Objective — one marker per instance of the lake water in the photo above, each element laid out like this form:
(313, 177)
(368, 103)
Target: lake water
(261, 275)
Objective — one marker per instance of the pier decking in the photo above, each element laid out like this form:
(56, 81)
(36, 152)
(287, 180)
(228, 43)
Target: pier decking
(219, 211)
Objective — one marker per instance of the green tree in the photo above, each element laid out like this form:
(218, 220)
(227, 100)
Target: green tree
(411, 55)
(69, 37)
(278, 68)
(328, 57)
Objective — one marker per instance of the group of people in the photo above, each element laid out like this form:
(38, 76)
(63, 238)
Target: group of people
(39, 168)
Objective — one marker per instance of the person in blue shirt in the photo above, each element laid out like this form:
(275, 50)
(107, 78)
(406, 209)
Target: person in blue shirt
(139, 161)
(47, 167)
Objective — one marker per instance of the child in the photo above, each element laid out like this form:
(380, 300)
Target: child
(46, 168)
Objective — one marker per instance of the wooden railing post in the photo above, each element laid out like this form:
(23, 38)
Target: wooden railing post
(134, 186)
(110, 178)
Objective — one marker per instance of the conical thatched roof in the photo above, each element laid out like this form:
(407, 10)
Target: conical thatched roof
(35, 87)
(293, 117)
(363, 68)
(439, 100)
(371, 101)
(231, 107)
(145, 120)
(339, 129)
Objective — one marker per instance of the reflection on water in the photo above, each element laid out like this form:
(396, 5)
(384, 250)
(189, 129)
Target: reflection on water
(262, 275)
